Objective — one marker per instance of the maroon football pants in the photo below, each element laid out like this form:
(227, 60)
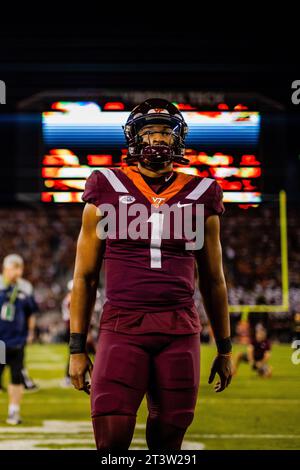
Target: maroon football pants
(164, 367)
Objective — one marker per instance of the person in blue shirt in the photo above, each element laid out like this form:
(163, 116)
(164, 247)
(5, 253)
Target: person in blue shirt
(17, 323)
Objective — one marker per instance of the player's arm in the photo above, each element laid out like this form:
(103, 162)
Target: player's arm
(213, 289)
(250, 354)
(32, 309)
(31, 329)
(266, 358)
(89, 256)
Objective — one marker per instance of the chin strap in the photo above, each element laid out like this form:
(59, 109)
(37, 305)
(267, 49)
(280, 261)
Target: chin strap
(138, 157)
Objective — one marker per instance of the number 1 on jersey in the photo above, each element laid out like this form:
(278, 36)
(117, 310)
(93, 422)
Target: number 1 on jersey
(156, 220)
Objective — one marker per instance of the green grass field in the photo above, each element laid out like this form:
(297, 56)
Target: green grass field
(254, 413)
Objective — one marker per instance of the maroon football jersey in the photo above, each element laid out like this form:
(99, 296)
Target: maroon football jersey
(260, 348)
(144, 276)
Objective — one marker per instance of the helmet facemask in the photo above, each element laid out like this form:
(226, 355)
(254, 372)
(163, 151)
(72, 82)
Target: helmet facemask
(157, 155)
(160, 155)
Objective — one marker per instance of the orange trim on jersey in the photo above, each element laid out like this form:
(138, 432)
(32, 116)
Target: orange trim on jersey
(156, 199)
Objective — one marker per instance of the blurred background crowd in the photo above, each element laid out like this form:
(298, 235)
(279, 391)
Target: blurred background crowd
(46, 239)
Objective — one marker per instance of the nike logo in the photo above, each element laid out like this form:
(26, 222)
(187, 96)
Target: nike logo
(168, 177)
(183, 205)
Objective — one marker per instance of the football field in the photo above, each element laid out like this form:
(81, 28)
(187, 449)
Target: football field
(253, 413)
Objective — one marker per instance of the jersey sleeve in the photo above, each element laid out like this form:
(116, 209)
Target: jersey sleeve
(268, 345)
(214, 204)
(92, 190)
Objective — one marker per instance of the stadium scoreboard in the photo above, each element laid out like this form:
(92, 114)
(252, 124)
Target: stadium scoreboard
(81, 136)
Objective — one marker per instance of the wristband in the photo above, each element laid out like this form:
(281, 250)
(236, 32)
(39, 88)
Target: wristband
(224, 345)
(77, 343)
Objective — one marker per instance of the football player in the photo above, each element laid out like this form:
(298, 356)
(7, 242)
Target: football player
(17, 324)
(258, 353)
(149, 330)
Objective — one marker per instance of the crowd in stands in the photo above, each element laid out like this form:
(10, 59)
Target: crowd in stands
(45, 236)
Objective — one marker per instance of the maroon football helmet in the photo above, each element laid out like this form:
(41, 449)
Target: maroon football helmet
(154, 157)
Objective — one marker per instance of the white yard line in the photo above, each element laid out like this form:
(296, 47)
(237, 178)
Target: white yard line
(67, 437)
(69, 434)
(35, 444)
(245, 436)
(51, 426)
(22, 431)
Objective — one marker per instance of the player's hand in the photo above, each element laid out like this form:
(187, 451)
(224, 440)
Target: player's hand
(222, 366)
(80, 366)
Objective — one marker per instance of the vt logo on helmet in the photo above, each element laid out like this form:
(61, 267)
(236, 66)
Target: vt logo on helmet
(155, 116)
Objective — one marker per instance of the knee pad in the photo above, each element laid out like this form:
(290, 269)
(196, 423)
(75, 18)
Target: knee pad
(181, 418)
(163, 436)
(113, 432)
